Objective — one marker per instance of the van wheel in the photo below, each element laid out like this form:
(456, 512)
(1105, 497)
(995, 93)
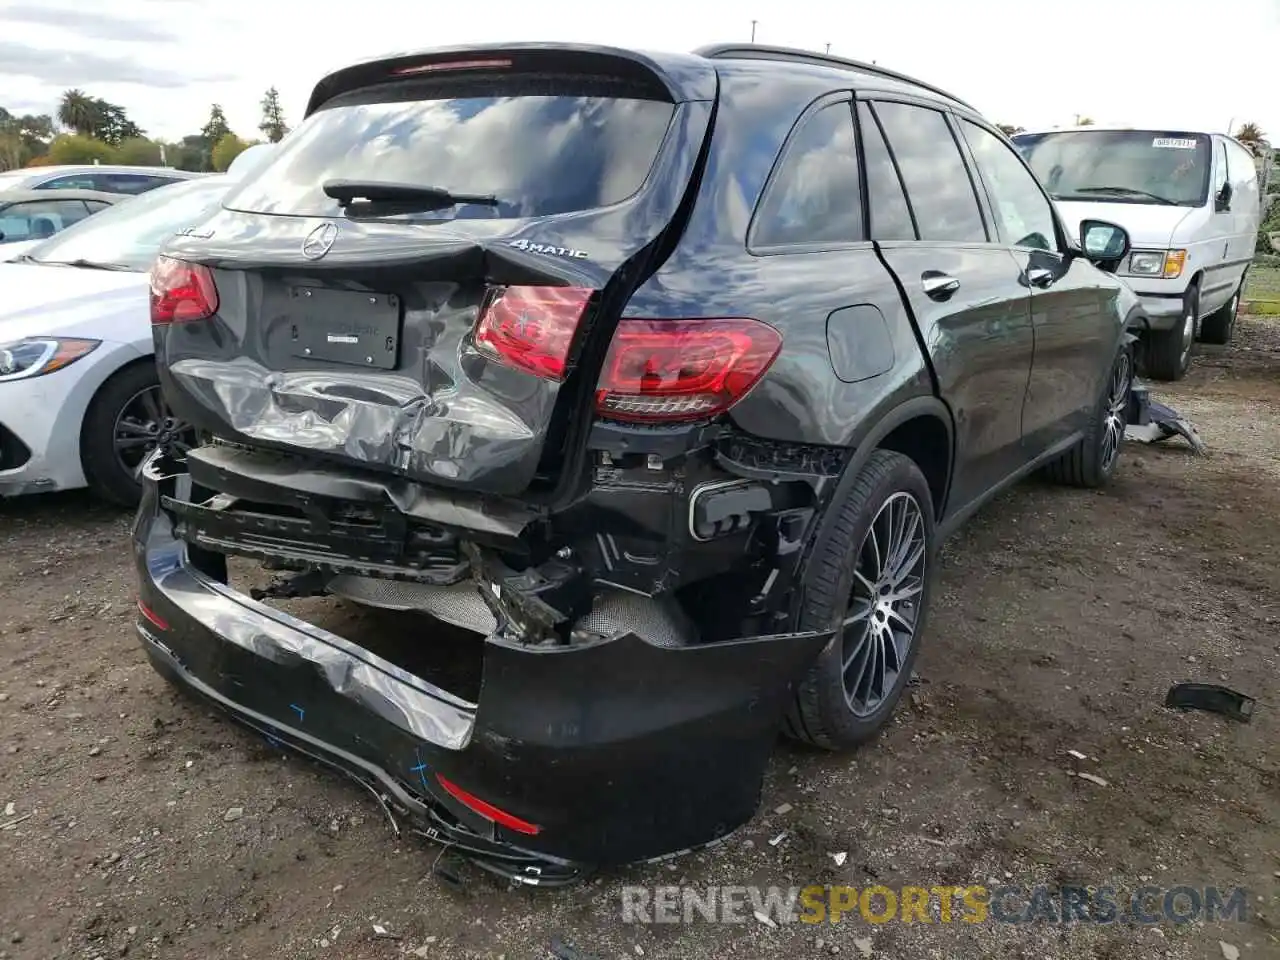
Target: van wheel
(126, 420)
(872, 578)
(1092, 461)
(1219, 326)
(1168, 352)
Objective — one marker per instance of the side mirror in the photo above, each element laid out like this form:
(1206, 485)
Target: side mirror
(1222, 201)
(1103, 242)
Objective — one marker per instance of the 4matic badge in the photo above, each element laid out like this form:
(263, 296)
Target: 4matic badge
(528, 246)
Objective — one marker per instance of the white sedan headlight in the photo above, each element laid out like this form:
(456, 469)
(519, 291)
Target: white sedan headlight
(36, 356)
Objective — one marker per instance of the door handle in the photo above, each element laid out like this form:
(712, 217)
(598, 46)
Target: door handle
(1040, 276)
(938, 286)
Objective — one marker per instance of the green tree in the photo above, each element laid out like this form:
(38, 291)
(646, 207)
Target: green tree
(1251, 135)
(273, 126)
(75, 148)
(139, 152)
(79, 112)
(192, 152)
(217, 126)
(23, 138)
(1084, 121)
(228, 147)
(114, 125)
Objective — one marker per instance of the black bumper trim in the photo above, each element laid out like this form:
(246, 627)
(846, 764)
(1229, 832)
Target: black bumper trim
(503, 859)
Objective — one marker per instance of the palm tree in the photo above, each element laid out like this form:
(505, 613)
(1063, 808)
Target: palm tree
(78, 111)
(1250, 134)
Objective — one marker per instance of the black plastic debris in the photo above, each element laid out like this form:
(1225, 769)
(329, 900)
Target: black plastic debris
(565, 951)
(1211, 698)
(1150, 421)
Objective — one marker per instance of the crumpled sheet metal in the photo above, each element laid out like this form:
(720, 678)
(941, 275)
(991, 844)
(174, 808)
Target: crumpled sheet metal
(461, 432)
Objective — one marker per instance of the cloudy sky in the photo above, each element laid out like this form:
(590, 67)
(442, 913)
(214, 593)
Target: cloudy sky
(1180, 63)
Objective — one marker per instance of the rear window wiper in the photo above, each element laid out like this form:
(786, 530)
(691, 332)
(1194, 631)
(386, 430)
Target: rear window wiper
(1131, 191)
(371, 195)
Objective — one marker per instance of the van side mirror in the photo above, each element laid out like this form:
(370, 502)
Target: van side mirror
(1222, 201)
(1103, 243)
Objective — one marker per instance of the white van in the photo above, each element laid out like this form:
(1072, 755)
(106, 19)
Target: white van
(1191, 204)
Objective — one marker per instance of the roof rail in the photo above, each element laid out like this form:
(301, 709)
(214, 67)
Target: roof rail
(755, 51)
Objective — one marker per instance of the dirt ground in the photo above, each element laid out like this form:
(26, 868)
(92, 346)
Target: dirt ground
(1061, 620)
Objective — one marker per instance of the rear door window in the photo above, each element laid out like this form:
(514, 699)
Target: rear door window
(38, 219)
(890, 215)
(813, 195)
(74, 181)
(128, 182)
(539, 154)
(934, 172)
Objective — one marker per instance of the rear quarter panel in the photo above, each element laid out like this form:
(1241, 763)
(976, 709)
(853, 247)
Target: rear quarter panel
(713, 274)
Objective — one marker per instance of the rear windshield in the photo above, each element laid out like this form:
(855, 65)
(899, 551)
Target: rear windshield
(538, 155)
(1126, 166)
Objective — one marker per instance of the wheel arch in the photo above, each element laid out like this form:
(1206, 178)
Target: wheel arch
(915, 428)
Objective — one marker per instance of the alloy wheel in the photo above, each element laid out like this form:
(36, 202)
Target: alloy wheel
(885, 603)
(144, 423)
(1114, 415)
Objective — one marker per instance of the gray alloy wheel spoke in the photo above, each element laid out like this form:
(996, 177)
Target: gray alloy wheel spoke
(884, 603)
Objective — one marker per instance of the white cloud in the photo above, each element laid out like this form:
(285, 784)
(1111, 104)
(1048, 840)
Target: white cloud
(1033, 64)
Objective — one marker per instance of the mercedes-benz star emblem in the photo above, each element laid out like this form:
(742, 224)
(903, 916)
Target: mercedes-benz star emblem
(319, 241)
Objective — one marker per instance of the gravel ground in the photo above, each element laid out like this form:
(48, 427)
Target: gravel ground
(137, 824)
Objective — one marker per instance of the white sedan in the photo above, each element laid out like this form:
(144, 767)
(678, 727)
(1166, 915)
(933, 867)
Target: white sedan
(80, 403)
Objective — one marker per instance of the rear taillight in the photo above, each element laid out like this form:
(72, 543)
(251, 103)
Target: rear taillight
(181, 292)
(663, 371)
(532, 328)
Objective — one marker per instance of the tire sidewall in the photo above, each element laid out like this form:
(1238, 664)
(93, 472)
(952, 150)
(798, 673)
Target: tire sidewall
(103, 473)
(904, 476)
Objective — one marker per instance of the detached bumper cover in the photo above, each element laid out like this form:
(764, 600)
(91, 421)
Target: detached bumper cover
(618, 750)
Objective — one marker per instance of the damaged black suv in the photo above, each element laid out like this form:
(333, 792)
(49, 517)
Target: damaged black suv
(647, 384)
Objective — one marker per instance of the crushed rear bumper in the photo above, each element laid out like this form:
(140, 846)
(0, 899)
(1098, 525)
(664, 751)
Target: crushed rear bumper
(618, 750)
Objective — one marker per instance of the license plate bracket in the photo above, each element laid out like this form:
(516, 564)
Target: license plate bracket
(345, 326)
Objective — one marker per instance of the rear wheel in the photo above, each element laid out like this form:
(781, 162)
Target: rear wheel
(1092, 461)
(1219, 326)
(127, 419)
(1168, 352)
(871, 577)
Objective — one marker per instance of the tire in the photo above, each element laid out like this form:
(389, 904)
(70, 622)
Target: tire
(108, 478)
(1168, 352)
(821, 714)
(1219, 326)
(1092, 461)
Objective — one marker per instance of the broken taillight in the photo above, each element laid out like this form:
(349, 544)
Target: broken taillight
(663, 371)
(488, 810)
(532, 328)
(181, 292)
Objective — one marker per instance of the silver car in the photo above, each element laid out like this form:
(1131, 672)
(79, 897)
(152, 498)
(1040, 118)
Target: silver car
(107, 178)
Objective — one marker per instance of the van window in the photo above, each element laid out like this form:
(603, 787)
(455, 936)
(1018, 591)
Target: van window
(934, 172)
(813, 197)
(538, 154)
(1164, 167)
